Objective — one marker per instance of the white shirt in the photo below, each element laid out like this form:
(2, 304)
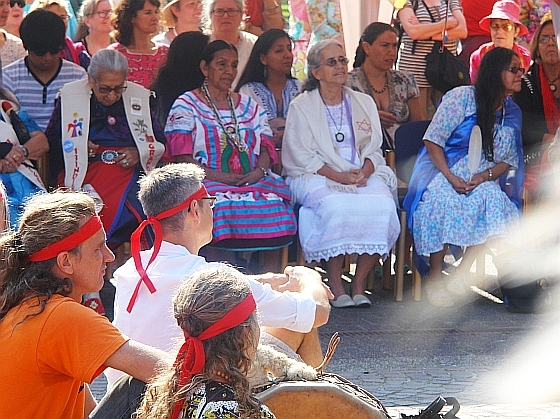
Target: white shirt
(151, 321)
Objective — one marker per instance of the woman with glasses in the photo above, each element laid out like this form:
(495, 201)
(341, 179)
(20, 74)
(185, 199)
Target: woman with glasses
(223, 19)
(227, 134)
(102, 137)
(94, 25)
(76, 54)
(179, 16)
(332, 156)
(136, 22)
(504, 26)
(538, 100)
(467, 200)
(11, 47)
(15, 17)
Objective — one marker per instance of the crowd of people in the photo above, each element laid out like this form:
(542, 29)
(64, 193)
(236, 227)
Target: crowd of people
(170, 127)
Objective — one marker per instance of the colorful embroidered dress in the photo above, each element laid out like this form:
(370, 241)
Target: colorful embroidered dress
(252, 212)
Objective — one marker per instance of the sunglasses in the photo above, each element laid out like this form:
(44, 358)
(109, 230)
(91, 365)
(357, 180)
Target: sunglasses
(331, 62)
(516, 70)
(54, 51)
(20, 3)
(545, 39)
(507, 26)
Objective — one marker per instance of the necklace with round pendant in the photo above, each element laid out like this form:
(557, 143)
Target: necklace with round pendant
(553, 87)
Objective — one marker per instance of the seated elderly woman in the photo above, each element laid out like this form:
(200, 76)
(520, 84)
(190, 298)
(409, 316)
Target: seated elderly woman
(336, 172)
(21, 142)
(456, 194)
(504, 26)
(538, 100)
(227, 134)
(102, 142)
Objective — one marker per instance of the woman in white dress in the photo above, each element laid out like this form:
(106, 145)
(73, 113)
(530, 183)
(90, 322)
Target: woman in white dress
(336, 172)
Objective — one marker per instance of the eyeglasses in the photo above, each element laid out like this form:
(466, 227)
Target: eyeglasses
(331, 62)
(20, 3)
(105, 90)
(103, 14)
(545, 39)
(516, 70)
(64, 17)
(211, 201)
(229, 12)
(507, 26)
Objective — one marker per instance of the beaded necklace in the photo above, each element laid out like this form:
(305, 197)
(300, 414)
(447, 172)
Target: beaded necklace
(231, 133)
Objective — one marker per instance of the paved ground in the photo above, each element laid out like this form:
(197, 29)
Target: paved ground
(408, 353)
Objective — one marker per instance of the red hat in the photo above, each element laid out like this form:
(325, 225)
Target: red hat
(507, 10)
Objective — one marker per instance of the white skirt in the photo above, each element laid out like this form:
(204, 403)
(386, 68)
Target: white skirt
(333, 223)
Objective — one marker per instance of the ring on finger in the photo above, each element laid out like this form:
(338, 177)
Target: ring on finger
(125, 162)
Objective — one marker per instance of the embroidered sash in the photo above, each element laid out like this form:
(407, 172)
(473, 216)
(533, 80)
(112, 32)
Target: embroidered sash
(75, 115)
(8, 135)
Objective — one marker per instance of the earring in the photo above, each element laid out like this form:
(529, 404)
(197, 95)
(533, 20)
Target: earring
(265, 71)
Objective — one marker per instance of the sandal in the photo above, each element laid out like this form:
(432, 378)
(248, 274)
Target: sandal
(343, 301)
(438, 295)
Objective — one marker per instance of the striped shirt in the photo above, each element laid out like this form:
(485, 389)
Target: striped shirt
(34, 96)
(416, 63)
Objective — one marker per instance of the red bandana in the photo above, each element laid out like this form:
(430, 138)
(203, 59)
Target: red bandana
(191, 357)
(91, 227)
(158, 237)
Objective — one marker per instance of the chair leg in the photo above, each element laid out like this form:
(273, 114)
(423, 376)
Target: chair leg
(370, 279)
(284, 259)
(416, 285)
(399, 275)
(347, 261)
(387, 271)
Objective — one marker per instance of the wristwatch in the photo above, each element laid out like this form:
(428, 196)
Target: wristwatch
(25, 150)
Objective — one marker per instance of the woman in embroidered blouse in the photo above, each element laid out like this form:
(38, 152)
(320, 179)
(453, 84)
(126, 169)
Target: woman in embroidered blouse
(332, 156)
(227, 134)
(136, 22)
(538, 100)
(268, 80)
(448, 202)
(395, 92)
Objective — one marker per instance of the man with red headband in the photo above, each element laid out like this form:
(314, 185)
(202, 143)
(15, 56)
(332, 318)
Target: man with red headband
(180, 212)
(50, 344)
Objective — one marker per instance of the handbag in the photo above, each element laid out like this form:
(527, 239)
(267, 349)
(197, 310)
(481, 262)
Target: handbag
(444, 71)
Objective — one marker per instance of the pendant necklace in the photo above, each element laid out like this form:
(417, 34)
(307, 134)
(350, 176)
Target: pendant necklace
(232, 133)
(553, 87)
(339, 136)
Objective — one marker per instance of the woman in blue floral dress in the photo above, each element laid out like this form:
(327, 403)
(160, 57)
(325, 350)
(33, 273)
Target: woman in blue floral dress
(446, 203)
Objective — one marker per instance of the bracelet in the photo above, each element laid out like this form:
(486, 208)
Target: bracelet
(265, 172)
(490, 174)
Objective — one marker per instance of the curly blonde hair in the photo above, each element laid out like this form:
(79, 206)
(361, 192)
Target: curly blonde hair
(201, 301)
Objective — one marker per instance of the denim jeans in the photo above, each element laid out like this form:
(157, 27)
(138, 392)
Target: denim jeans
(121, 401)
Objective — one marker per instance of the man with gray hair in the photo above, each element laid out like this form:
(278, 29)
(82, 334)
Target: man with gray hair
(180, 211)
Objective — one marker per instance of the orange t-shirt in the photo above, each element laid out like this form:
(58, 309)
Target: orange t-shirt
(47, 358)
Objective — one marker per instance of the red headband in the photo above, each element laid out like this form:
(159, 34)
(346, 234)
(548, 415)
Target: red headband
(91, 227)
(191, 357)
(158, 237)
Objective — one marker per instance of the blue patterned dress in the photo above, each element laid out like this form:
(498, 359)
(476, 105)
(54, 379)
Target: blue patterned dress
(443, 216)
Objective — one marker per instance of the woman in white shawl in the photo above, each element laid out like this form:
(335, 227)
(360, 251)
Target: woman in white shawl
(336, 172)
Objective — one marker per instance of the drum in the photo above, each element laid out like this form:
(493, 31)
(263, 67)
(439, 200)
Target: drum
(331, 396)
